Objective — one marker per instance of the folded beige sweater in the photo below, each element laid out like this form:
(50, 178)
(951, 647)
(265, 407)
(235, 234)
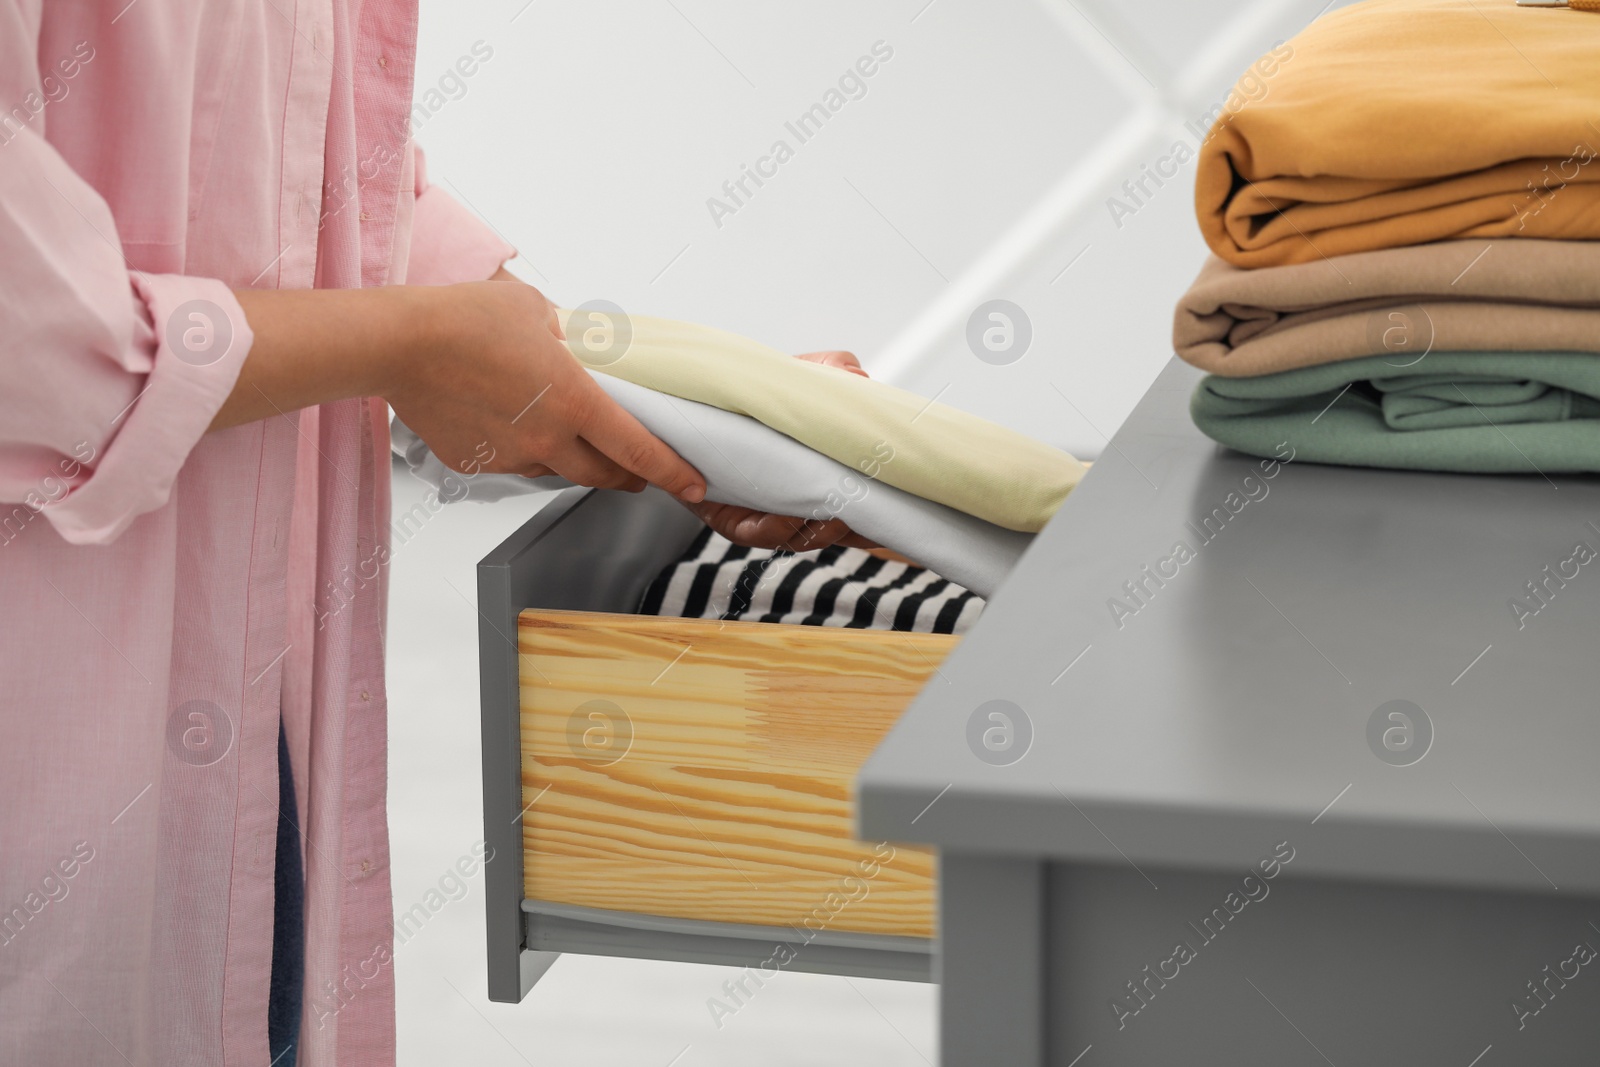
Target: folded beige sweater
(1452, 296)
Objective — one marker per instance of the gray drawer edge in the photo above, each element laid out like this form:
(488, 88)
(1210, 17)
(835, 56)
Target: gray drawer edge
(552, 928)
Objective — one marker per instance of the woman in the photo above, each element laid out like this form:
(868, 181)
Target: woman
(206, 212)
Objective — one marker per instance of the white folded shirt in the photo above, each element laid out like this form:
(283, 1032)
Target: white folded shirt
(749, 465)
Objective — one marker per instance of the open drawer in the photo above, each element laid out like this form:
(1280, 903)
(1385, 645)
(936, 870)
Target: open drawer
(681, 788)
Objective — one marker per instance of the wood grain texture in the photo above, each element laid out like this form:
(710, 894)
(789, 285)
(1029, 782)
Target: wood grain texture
(705, 770)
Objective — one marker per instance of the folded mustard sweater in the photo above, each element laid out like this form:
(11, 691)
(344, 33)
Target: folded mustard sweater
(1396, 122)
(927, 448)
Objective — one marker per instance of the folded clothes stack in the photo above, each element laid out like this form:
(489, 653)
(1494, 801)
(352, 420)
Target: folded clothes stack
(958, 494)
(1406, 239)
(926, 448)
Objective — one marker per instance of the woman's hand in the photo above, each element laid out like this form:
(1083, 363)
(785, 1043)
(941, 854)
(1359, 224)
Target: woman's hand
(496, 391)
(760, 529)
(478, 370)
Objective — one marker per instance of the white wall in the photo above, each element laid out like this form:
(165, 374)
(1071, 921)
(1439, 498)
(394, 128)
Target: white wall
(977, 165)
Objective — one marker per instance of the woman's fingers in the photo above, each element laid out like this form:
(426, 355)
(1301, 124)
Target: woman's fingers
(835, 358)
(743, 526)
(772, 531)
(578, 461)
(814, 534)
(620, 437)
(760, 529)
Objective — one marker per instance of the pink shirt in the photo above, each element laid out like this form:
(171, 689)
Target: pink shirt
(164, 589)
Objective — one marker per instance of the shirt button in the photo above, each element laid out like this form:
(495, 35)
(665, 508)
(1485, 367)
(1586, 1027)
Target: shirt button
(383, 61)
(365, 216)
(365, 695)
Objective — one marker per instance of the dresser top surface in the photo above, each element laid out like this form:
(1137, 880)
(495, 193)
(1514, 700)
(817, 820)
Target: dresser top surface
(1206, 653)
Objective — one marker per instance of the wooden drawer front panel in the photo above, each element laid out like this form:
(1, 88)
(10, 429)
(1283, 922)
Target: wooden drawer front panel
(704, 770)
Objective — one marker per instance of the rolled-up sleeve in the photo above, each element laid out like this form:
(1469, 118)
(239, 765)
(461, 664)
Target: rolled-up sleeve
(108, 376)
(449, 244)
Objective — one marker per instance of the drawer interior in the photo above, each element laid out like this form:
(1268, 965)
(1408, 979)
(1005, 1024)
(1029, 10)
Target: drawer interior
(673, 788)
(704, 770)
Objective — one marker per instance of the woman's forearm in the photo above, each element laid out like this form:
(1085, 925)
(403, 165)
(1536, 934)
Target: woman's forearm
(320, 345)
(315, 346)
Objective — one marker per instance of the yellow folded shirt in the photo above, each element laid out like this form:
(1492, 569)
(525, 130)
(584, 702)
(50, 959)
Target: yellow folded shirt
(1397, 122)
(936, 451)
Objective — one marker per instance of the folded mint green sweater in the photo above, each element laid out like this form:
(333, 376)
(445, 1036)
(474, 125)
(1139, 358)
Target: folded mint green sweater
(1483, 412)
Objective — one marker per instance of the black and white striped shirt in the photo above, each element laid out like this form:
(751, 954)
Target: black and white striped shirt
(837, 586)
